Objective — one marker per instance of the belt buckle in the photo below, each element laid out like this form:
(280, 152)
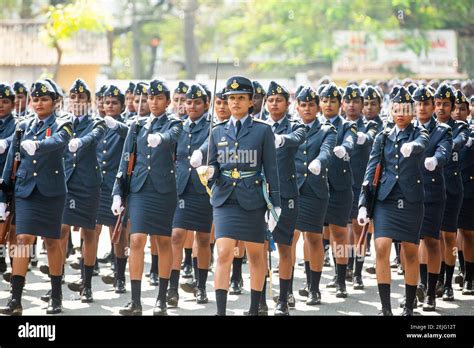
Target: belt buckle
(235, 174)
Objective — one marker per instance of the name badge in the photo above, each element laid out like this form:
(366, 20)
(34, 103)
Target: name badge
(223, 143)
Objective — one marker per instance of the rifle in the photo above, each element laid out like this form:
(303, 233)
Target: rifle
(10, 189)
(131, 165)
(372, 194)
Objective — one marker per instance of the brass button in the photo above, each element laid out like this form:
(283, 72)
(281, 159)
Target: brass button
(105, 151)
(305, 163)
(433, 180)
(190, 135)
(293, 176)
(103, 162)
(396, 145)
(396, 167)
(396, 177)
(396, 156)
(236, 144)
(56, 171)
(455, 173)
(323, 176)
(189, 146)
(74, 164)
(190, 169)
(148, 156)
(105, 141)
(189, 157)
(344, 171)
(418, 181)
(256, 181)
(35, 174)
(103, 172)
(149, 168)
(304, 152)
(305, 174)
(34, 161)
(74, 154)
(74, 134)
(172, 171)
(35, 138)
(234, 184)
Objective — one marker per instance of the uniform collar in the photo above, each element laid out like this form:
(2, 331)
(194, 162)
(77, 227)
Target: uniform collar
(188, 120)
(44, 120)
(310, 125)
(233, 120)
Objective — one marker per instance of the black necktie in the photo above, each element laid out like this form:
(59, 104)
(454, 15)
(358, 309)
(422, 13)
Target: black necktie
(275, 126)
(238, 125)
(39, 125)
(308, 128)
(76, 123)
(192, 125)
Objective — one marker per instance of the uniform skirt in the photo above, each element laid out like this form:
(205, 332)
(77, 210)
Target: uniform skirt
(104, 215)
(466, 216)
(151, 212)
(432, 218)
(232, 221)
(398, 219)
(339, 207)
(285, 229)
(355, 204)
(311, 211)
(193, 211)
(451, 213)
(39, 215)
(82, 204)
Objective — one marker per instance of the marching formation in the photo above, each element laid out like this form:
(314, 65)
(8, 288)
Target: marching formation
(244, 171)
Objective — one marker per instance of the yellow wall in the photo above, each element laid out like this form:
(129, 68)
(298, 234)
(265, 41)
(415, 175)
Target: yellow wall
(68, 73)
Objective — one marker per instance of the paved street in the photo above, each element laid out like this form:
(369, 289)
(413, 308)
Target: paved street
(359, 302)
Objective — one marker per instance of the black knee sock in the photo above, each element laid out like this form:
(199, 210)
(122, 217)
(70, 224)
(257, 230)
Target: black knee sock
(341, 274)
(462, 265)
(326, 244)
(254, 300)
(188, 256)
(174, 279)
(56, 292)
(369, 239)
(384, 293)
(397, 250)
(202, 278)
(154, 264)
(359, 265)
(469, 271)
(162, 288)
(221, 301)
(432, 279)
(88, 270)
(120, 267)
(112, 252)
(315, 279)
(81, 264)
(335, 266)
(424, 274)
(350, 263)
(237, 269)
(307, 270)
(136, 291)
(284, 289)
(69, 242)
(195, 268)
(290, 286)
(263, 297)
(18, 282)
(449, 276)
(211, 246)
(410, 293)
(441, 272)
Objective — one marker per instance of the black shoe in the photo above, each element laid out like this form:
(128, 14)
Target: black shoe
(187, 271)
(276, 270)
(75, 265)
(281, 309)
(54, 306)
(448, 294)
(304, 291)
(131, 308)
(262, 309)
(459, 279)
(172, 297)
(44, 269)
(251, 314)
(394, 263)
(291, 300)
(301, 263)
(439, 289)
(370, 270)
(3, 265)
(96, 270)
(400, 270)
(386, 312)
(109, 279)
(368, 253)
(120, 287)
(349, 274)
(112, 267)
(327, 259)
(76, 285)
(468, 288)
(407, 312)
(107, 258)
(86, 295)
(404, 301)
(314, 298)
(332, 283)
(341, 291)
(160, 308)
(357, 283)
(12, 308)
(235, 288)
(34, 261)
(430, 304)
(201, 296)
(421, 293)
(244, 259)
(46, 297)
(154, 279)
(7, 276)
(189, 287)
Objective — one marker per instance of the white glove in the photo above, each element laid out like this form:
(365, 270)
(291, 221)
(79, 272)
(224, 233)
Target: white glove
(196, 159)
(279, 141)
(406, 149)
(74, 144)
(361, 138)
(431, 163)
(340, 151)
(272, 223)
(362, 218)
(3, 211)
(154, 140)
(208, 170)
(4, 146)
(110, 122)
(469, 142)
(30, 146)
(315, 167)
(117, 206)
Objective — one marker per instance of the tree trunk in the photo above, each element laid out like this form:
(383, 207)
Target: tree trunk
(25, 12)
(58, 60)
(190, 47)
(137, 52)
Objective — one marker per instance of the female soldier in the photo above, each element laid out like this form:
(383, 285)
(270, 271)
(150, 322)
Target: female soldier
(179, 99)
(221, 107)
(129, 102)
(152, 200)
(399, 199)
(444, 101)
(240, 149)
(257, 100)
(40, 192)
(109, 152)
(83, 178)
(340, 182)
(466, 222)
(21, 96)
(311, 164)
